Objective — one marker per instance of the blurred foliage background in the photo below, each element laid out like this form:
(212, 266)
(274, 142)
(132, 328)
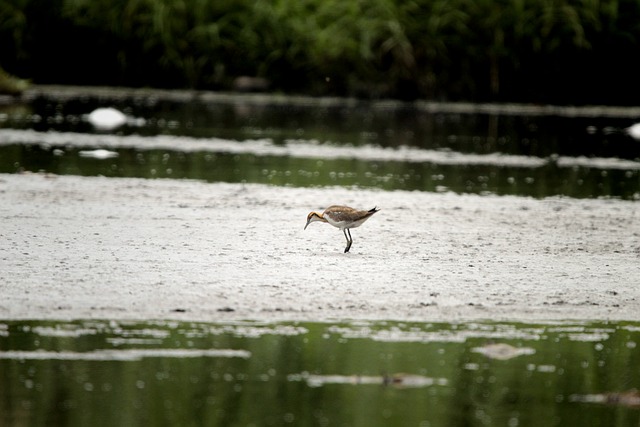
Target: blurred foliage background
(546, 51)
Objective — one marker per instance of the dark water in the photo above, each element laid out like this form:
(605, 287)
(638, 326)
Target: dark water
(361, 145)
(105, 373)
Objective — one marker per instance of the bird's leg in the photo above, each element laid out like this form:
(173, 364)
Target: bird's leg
(349, 239)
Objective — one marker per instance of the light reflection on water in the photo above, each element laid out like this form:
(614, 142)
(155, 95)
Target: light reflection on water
(546, 180)
(352, 374)
(348, 145)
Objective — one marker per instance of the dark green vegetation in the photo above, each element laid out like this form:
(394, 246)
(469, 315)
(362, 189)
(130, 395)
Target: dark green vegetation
(11, 85)
(548, 51)
(190, 374)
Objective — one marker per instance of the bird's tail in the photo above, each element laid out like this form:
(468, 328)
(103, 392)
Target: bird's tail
(374, 210)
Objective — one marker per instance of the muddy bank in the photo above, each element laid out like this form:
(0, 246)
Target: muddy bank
(77, 247)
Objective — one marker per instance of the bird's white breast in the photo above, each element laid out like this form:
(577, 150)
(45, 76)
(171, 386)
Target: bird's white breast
(344, 223)
(332, 221)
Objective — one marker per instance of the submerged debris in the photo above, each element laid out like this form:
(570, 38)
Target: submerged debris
(502, 351)
(629, 398)
(396, 380)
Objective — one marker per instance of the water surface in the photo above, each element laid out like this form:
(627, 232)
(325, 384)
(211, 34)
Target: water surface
(391, 146)
(318, 374)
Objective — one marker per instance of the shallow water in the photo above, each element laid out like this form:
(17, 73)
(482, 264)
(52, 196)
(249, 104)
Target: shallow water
(325, 374)
(346, 374)
(388, 146)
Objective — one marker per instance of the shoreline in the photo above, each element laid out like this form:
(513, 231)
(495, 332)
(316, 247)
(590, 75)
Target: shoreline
(114, 94)
(134, 249)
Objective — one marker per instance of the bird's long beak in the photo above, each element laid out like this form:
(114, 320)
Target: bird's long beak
(308, 222)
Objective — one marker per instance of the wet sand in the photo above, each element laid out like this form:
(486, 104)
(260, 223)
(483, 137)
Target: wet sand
(135, 249)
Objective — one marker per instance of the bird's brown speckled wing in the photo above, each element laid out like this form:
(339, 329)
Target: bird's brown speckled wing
(345, 213)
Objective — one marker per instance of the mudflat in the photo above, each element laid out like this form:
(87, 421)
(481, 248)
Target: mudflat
(134, 249)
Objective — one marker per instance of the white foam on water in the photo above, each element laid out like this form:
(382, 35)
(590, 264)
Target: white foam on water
(128, 355)
(104, 146)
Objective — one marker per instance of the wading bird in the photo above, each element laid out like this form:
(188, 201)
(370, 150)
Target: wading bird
(342, 217)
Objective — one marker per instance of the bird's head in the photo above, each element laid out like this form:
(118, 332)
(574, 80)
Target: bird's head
(313, 216)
